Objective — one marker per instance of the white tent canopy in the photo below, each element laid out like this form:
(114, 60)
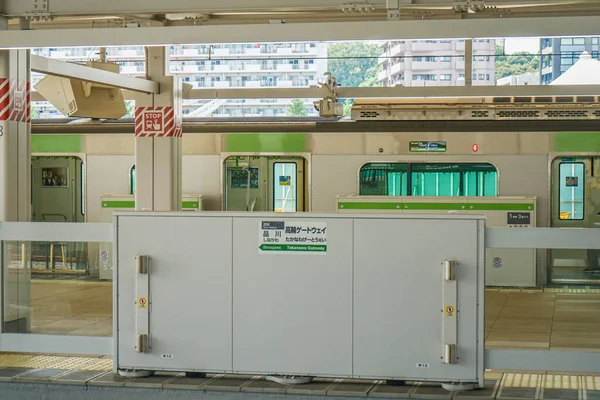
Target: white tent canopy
(586, 71)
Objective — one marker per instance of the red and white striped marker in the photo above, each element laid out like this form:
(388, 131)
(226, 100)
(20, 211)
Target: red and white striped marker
(15, 100)
(156, 122)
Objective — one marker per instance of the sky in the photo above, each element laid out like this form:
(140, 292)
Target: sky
(531, 45)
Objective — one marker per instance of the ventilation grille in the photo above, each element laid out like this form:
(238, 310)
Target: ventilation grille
(566, 114)
(518, 114)
(369, 114)
(72, 107)
(597, 113)
(480, 114)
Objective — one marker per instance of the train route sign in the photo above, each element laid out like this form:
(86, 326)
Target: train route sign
(292, 236)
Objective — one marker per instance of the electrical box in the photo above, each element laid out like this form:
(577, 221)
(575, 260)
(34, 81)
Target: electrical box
(504, 267)
(363, 296)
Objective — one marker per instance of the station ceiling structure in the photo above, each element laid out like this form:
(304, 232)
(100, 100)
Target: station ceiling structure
(41, 23)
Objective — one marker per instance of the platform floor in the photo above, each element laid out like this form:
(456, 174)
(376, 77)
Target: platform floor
(21, 373)
(551, 319)
(554, 318)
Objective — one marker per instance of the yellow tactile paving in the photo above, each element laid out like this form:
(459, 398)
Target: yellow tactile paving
(591, 382)
(562, 382)
(56, 362)
(521, 380)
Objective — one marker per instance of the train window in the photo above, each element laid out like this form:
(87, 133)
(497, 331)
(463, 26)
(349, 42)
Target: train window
(571, 190)
(82, 187)
(132, 180)
(383, 179)
(285, 189)
(394, 179)
(454, 180)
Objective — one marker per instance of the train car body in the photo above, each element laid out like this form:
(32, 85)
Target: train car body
(537, 147)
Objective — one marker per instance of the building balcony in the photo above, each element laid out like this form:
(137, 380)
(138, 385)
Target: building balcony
(425, 65)
(285, 83)
(425, 47)
(221, 84)
(253, 51)
(253, 67)
(383, 75)
(398, 50)
(220, 52)
(252, 84)
(221, 68)
(397, 68)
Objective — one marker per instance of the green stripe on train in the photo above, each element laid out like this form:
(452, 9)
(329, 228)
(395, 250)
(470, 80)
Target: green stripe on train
(350, 205)
(266, 143)
(577, 141)
(131, 204)
(56, 143)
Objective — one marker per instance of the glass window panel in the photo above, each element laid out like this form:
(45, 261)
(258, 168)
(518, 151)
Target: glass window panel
(57, 288)
(383, 179)
(454, 180)
(132, 180)
(571, 190)
(285, 188)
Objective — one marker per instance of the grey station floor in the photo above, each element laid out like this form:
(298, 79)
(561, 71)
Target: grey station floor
(25, 376)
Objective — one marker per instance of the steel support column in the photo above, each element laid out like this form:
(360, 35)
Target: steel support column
(15, 180)
(158, 138)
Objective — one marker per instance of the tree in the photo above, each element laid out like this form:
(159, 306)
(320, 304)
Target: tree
(354, 64)
(297, 108)
(130, 106)
(347, 106)
(35, 112)
(516, 63)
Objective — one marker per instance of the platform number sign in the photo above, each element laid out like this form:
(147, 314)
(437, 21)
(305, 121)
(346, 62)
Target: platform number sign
(153, 121)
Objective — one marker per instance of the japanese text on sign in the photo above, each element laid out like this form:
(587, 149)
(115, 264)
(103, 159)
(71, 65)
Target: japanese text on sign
(292, 236)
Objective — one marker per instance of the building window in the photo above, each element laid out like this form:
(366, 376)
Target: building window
(285, 190)
(481, 58)
(425, 59)
(579, 41)
(445, 58)
(394, 179)
(445, 77)
(566, 41)
(571, 190)
(482, 77)
(595, 40)
(461, 76)
(425, 77)
(487, 77)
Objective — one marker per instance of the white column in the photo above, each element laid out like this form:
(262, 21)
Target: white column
(158, 148)
(15, 178)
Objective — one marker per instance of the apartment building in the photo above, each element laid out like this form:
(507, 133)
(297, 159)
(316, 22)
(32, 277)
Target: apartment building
(218, 66)
(559, 54)
(435, 63)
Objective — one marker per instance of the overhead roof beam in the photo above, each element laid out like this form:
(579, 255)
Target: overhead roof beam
(340, 31)
(63, 69)
(396, 92)
(119, 7)
(380, 92)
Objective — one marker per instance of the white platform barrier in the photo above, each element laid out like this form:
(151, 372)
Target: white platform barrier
(363, 296)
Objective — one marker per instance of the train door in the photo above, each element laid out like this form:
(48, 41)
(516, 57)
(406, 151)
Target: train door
(265, 183)
(575, 199)
(57, 195)
(57, 189)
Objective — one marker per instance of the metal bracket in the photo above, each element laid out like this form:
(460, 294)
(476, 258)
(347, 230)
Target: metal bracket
(40, 10)
(393, 10)
(359, 7)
